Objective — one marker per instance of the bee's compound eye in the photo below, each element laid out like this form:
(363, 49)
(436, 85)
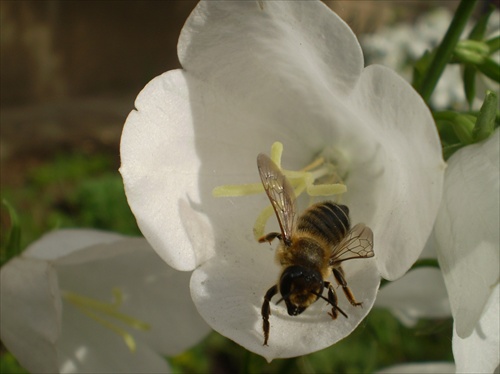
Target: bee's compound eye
(289, 278)
(299, 278)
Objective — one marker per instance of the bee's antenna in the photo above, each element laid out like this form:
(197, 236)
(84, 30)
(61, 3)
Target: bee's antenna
(341, 311)
(321, 296)
(329, 302)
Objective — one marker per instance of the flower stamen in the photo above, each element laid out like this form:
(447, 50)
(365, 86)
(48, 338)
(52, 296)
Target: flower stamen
(302, 180)
(102, 313)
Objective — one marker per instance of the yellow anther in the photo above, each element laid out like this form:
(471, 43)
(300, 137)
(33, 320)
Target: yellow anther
(107, 314)
(302, 180)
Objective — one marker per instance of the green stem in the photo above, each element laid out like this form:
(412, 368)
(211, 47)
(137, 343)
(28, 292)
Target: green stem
(494, 44)
(446, 48)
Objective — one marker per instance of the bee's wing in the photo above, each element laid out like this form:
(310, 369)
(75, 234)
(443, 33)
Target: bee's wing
(280, 193)
(358, 243)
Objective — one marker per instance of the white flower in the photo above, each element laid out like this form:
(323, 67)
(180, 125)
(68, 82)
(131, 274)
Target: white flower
(420, 293)
(468, 238)
(255, 73)
(59, 313)
(467, 230)
(480, 351)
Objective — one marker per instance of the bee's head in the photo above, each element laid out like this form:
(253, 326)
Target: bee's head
(300, 287)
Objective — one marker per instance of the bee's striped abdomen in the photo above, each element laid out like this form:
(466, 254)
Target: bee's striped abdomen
(327, 220)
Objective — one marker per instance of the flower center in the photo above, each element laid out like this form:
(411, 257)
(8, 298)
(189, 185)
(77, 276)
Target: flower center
(323, 177)
(108, 314)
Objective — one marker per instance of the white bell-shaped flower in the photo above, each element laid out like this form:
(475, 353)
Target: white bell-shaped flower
(468, 245)
(420, 293)
(257, 72)
(95, 302)
(467, 230)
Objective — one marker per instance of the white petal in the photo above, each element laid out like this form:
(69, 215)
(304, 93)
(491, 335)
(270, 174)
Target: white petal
(153, 293)
(160, 169)
(421, 293)
(31, 313)
(59, 243)
(229, 295)
(480, 352)
(87, 347)
(296, 42)
(282, 71)
(420, 368)
(397, 194)
(467, 230)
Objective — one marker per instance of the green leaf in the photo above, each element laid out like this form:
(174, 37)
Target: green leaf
(444, 126)
(471, 52)
(470, 83)
(479, 29)
(478, 47)
(13, 246)
(485, 123)
(490, 68)
(493, 44)
(454, 126)
(463, 125)
(450, 149)
(446, 133)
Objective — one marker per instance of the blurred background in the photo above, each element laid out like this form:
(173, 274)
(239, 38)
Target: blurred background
(69, 74)
(70, 70)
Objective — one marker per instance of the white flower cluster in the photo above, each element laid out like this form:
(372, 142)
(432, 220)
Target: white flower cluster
(399, 46)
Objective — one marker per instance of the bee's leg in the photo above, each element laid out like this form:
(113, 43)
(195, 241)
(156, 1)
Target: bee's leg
(266, 311)
(270, 237)
(332, 299)
(339, 277)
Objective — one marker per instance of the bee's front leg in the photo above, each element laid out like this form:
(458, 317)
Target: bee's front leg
(333, 301)
(270, 237)
(266, 311)
(339, 277)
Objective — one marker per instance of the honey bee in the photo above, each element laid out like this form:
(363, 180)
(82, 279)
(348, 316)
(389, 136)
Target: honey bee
(310, 248)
